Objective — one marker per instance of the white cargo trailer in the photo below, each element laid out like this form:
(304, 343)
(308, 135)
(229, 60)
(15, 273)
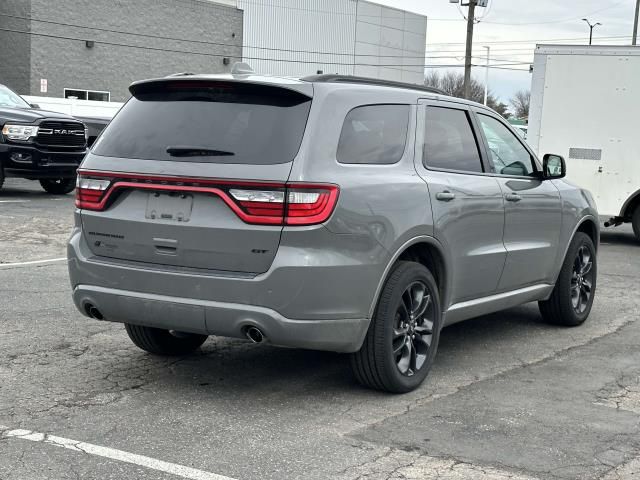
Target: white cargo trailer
(585, 105)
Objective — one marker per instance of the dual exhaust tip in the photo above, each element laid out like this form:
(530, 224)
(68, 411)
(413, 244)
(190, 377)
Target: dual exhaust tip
(252, 333)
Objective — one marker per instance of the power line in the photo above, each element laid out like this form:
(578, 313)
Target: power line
(561, 21)
(202, 42)
(235, 46)
(532, 41)
(166, 50)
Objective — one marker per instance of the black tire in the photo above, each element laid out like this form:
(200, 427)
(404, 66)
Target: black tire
(635, 221)
(164, 342)
(376, 365)
(561, 308)
(59, 186)
(1, 176)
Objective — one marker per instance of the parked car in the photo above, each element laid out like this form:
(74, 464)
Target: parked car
(39, 145)
(330, 213)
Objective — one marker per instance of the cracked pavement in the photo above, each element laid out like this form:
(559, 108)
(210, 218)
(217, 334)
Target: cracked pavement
(509, 396)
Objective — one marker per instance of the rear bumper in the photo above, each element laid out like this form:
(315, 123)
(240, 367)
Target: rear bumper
(222, 319)
(310, 297)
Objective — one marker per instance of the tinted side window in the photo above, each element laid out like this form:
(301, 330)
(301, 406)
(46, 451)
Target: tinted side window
(374, 134)
(507, 154)
(449, 141)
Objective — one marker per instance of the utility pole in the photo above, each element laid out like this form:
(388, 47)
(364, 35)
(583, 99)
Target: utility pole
(634, 40)
(486, 77)
(467, 60)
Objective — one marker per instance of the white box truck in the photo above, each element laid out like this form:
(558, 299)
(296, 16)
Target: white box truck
(585, 105)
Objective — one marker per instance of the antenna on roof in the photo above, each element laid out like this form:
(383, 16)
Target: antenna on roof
(241, 68)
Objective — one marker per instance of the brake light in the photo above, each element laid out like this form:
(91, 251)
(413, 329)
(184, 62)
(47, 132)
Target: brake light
(258, 203)
(90, 191)
(305, 204)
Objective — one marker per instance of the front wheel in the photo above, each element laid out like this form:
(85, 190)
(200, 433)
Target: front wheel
(59, 186)
(401, 343)
(164, 342)
(572, 297)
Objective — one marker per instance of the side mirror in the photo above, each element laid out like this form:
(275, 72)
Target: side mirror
(34, 105)
(553, 166)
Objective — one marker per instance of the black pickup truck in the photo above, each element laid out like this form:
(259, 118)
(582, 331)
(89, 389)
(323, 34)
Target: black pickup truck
(39, 145)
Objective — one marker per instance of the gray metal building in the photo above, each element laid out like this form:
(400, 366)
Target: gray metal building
(93, 49)
(352, 37)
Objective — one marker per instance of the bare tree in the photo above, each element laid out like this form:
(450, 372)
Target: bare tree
(452, 83)
(520, 103)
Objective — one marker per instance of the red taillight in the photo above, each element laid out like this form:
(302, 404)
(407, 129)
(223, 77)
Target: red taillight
(310, 204)
(298, 203)
(259, 203)
(90, 192)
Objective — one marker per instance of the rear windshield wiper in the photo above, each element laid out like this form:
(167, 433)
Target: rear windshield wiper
(195, 151)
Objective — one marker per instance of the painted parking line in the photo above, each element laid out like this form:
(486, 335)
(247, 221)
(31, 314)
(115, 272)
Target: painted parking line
(14, 201)
(34, 262)
(113, 454)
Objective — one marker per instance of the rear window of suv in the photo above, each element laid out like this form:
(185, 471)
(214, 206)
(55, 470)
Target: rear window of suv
(208, 122)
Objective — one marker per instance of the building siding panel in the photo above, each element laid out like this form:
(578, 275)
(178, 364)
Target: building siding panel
(333, 36)
(118, 59)
(15, 47)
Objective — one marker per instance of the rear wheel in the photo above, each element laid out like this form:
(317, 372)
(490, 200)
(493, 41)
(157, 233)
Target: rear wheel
(572, 297)
(635, 221)
(1, 176)
(164, 342)
(401, 343)
(59, 186)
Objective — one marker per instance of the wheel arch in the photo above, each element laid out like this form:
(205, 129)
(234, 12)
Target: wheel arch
(427, 251)
(588, 225)
(630, 205)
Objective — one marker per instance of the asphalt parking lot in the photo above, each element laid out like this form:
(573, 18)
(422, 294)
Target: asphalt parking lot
(509, 397)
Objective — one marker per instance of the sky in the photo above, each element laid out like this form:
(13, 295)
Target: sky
(511, 28)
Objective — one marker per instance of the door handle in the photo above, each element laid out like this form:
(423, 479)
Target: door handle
(445, 196)
(512, 197)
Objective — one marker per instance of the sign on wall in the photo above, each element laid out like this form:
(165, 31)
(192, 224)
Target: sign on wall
(43, 85)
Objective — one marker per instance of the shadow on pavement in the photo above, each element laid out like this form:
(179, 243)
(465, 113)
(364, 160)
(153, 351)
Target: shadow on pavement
(242, 368)
(619, 236)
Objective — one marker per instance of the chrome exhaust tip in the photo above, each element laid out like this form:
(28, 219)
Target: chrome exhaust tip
(93, 312)
(254, 334)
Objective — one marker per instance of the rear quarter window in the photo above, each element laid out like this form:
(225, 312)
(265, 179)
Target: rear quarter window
(374, 134)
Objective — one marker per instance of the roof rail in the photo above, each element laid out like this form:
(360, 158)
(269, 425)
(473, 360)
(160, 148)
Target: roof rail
(331, 78)
(180, 74)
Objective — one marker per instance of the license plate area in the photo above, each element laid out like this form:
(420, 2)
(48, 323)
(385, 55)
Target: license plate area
(170, 207)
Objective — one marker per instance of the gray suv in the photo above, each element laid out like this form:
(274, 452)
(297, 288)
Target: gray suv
(330, 213)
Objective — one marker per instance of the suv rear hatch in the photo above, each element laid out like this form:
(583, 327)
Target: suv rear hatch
(207, 163)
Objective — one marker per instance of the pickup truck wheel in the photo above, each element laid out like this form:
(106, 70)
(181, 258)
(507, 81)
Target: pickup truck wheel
(164, 342)
(401, 343)
(635, 221)
(60, 186)
(572, 297)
